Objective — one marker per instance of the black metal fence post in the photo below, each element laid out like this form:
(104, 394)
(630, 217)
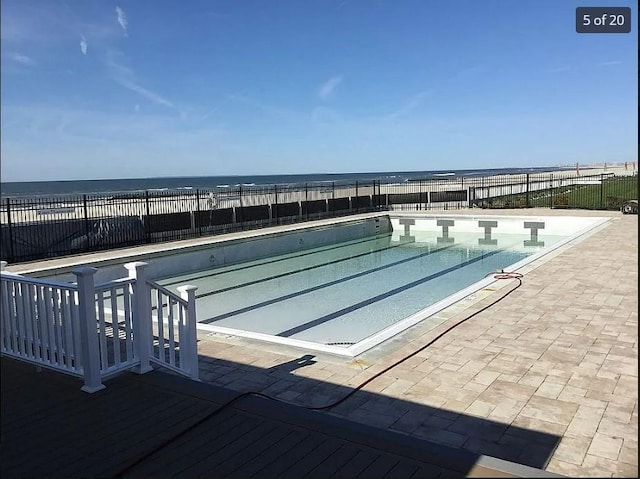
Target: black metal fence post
(551, 190)
(333, 197)
(147, 223)
(198, 218)
(11, 257)
(274, 212)
(357, 200)
(374, 198)
(528, 202)
(86, 221)
(602, 189)
(306, 200)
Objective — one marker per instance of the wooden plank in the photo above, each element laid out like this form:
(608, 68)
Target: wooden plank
(57, 400)
(430, 470)
(270, 455)
(242, 442)
(380, 466)
(403, 470)
(60, 421)
(132, 455)
(24, 424)
(334, 462)
(245, 455)
(77, 429)
(90, 417)
(195, 445)
(293, 456)
(173, 457)
(357, 464)
(135, 444)
(313, 459)
(27, 409)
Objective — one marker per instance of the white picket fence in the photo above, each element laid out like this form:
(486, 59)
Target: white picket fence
(94, 331)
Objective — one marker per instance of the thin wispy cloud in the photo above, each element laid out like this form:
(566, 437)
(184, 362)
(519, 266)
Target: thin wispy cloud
(51, 25)
(114, 136)
(83, 45)
(271, 110)
(122, 19)
(21, 59)
(560, 69)
(148, 94)
(125, 77)
(611, 63)
(328, 87)
(413, 103)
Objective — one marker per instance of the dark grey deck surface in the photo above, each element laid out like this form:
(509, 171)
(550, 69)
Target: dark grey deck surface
(50, 428)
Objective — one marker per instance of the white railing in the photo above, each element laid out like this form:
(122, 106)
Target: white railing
(40, 323)
(94, 331)
(115, 326)
(174, 328)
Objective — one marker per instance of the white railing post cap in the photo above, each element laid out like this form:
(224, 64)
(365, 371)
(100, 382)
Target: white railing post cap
(135, 264)
(186, 288)
(84, 271)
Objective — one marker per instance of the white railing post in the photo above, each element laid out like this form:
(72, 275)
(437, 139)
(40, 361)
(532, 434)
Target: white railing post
(142, 315)
(188, 293)
(88, 329)
(3, 265)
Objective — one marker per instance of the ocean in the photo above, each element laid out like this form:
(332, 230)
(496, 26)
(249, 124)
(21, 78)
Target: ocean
(79, 187)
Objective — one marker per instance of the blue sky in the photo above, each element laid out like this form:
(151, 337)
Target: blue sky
(126, 89)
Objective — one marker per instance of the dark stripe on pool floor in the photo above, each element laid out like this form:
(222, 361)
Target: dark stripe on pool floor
(321, 286)
(321, 249)
(301, 270)
(380, 297)
(210, 273)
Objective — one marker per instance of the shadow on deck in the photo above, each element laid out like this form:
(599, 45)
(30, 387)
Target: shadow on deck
(157, 425)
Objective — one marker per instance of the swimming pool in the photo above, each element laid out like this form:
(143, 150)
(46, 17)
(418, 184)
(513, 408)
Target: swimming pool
(349, 295)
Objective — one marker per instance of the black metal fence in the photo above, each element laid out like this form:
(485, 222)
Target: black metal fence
(45, 227)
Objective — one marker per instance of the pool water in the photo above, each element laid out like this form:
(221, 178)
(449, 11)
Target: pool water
(343, 293)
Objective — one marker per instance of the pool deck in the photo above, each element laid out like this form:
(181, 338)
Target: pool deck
(558, 356)
(161, 425)
(547, 377)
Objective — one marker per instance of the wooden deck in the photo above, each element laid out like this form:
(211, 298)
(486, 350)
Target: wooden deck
(156, 425)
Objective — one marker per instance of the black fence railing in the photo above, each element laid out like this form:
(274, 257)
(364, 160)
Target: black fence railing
(45, 227)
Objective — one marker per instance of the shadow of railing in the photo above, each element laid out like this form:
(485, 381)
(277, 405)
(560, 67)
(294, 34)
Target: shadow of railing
(285, 382)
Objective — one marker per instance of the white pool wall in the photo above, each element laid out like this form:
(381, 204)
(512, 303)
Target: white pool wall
(237, 250)
(553, 225)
